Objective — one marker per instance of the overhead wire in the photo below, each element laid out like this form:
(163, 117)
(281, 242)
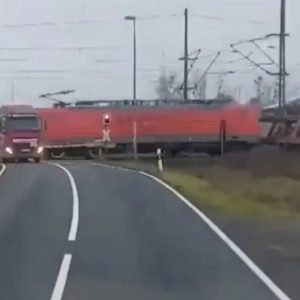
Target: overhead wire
(110, 61)
(85, 22)
(98, 21)
(14, 59)
(69, 48)
(30, 78)
(218, 18)
(41, 71)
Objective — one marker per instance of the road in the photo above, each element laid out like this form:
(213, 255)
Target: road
(92, 232)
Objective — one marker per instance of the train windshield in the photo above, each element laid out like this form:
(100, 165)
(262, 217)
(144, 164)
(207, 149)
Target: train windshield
(22, 123)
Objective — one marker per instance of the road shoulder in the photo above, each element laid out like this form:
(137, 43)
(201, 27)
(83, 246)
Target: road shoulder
(271, 243)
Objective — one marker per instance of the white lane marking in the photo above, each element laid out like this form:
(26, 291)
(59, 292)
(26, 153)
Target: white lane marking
(75, 214)
(3, 169)
(238, 251)
(62, 277)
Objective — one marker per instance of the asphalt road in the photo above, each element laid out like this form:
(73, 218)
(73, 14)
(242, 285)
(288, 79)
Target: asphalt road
(135, 241)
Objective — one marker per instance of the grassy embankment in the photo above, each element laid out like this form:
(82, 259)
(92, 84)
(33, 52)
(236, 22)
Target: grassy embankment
(230, 190)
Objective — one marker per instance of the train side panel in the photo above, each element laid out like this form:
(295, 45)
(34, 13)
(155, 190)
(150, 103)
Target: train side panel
(168, 127)
(186, 124)
(242, 123)
(66, 126)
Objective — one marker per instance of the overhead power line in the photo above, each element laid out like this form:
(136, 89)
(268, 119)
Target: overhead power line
(30, 78)
(110, 61)
(152, 17)
(84, 22)
(219, 18)
(41, 71)
(51, 24)
(14, 59)
(70, 71)
(71, 48)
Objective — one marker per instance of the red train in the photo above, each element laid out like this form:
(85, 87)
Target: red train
(200, 127)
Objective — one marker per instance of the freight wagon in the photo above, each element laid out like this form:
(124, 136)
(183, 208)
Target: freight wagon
(282, 124)
(205, 128)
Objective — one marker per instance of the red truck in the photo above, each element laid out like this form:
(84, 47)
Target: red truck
(20, 134)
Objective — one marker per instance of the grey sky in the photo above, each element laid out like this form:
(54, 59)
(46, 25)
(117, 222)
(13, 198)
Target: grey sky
(160, 41)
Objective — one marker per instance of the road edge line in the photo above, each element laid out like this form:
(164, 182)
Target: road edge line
(75, 207)
(221, 234)
(62, 277)
(3, 169)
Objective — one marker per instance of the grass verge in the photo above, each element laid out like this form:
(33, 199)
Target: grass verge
(231, 191)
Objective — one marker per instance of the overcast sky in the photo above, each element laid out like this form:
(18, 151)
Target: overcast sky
(58, 28)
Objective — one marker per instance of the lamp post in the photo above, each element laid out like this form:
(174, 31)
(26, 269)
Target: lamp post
(282, 55)
(133, 19)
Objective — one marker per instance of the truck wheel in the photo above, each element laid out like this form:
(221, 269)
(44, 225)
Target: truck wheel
(92, 153)
(57, 154)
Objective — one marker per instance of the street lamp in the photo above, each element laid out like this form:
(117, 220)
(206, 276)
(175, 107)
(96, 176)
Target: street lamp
(133, 19)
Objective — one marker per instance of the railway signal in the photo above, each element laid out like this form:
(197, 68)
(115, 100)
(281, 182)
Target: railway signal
(106, 131)
(106, 135)
(106, 119)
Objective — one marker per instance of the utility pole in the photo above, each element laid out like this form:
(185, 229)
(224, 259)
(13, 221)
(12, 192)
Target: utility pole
(133, 20)
(186, 55)
(282, 56)
(12, 92)
(134, 61)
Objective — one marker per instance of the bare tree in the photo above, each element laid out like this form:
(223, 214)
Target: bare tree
(162, 89)
(168, 86)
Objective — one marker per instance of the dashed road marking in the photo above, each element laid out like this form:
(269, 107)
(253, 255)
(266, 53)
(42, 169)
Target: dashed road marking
(62, 277)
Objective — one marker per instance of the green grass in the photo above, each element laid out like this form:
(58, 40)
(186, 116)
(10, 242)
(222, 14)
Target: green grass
(231, 191)
(205, 194)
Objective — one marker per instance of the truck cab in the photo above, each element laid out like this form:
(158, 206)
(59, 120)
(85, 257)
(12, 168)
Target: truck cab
(20, 134)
